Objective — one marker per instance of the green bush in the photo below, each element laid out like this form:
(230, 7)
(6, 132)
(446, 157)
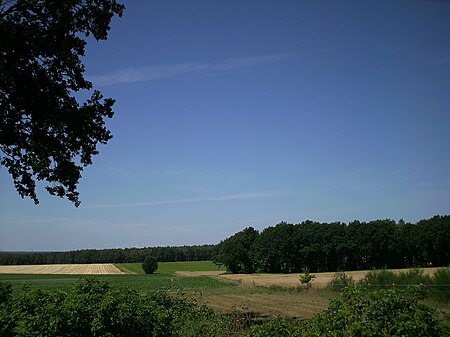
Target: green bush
(5, 292)
(192, 320)
(360, 311)
(91, 308)
(276, 327)
(436, 286)
(383, 277)
(412, 277)
(386, 312)
(440, 284)
(150, 265)
(306, 278)
(340, 281)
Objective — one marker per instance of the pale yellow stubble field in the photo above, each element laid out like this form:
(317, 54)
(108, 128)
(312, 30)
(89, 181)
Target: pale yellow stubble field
(288, 280)
(73, 269)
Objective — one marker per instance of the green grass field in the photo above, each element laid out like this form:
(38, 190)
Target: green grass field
(141, 283)
(218, 294)
(171, 267)
(165, 278)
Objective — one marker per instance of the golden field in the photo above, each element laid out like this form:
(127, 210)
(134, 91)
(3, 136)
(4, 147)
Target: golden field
(74, 269)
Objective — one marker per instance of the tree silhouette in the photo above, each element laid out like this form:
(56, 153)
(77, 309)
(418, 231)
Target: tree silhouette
(46, 134)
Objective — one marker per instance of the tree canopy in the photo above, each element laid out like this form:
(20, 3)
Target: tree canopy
(46, 134)
(321, 247)
(150, 265)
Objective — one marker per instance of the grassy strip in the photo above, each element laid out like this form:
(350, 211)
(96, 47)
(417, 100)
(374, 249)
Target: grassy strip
(130, 268)
(140, 283)
(171, 267)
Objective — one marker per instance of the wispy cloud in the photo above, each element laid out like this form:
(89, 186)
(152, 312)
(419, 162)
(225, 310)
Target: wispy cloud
(151, 73)
(227, 197)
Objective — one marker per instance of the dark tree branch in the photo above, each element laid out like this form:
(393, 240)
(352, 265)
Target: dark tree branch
(45, 133)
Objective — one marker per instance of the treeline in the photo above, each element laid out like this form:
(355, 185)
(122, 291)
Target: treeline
(287, 248)
(320, 247)
(126, 255)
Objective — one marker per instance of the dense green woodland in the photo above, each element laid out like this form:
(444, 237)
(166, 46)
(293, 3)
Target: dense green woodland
(321, 247)
(127, 255)
(287, 248)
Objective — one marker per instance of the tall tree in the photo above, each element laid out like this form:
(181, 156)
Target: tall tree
(45, 133)
(235, 252)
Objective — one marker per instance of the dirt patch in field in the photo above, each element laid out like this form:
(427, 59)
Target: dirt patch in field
(73, 269)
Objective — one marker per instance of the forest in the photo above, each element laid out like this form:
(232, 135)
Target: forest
(322, 247)
(288, 248)
(117, 255)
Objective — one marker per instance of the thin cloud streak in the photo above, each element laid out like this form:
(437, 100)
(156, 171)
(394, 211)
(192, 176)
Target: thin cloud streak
(151, 73)
(228, 197)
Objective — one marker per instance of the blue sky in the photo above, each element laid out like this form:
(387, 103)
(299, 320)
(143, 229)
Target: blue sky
(247, 113)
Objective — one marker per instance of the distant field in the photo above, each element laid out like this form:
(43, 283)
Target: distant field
(171, 267)
(130, 268)
(108, 268)
(262, 294)
(126, 274)
(292, 280)
(68, 269)
(141, 283)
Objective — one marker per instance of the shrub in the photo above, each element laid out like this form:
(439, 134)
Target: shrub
(192, 320)
(150, 265)
(5, 292)
(383, 277)
(385, 312)
(412, 277)
(276, 327)
(360, 311)
(340, 280)
(91, 308)
(440, 287)
(306, 278)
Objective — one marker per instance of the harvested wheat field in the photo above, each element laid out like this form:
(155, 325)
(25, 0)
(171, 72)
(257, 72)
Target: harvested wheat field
(287, 280)
(74, 269)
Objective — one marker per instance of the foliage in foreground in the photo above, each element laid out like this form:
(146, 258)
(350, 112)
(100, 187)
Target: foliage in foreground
(93, 308)
(359, 312)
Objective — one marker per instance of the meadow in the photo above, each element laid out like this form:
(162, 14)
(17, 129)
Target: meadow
(171, 267)
(262, 295)
(141, 283)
